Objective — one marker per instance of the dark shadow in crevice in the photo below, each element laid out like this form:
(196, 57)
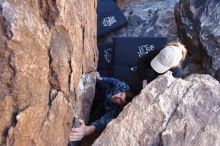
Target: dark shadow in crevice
(49, 11)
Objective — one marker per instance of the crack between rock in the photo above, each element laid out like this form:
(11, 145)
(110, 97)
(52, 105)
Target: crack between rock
(184, 134)
(83, 37)
(6, 28)
(53, 78)
(51, 103)
(71, 70)
(70, 76)
(13, 124)
(177, 105)
(173, 113)
(82, 69)
(49, 11)
(53, 81)
(74, 93)
(156, 98)
(152, 102)
(83, 43)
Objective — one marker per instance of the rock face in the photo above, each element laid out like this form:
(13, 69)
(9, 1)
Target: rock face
(45, 47)
(169, 112)
(148, 18)
(198, 24)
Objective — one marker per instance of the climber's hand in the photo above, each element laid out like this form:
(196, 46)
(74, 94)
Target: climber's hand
(98, 77)
(77, 134)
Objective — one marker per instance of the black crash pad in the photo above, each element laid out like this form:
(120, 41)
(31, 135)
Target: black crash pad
(105, 59)
(126, 53)
(109, 17)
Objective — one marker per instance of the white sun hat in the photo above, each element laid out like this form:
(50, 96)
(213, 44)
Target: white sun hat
(168, 57)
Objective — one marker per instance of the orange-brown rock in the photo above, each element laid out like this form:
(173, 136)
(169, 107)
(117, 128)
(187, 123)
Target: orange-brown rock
(45, 47)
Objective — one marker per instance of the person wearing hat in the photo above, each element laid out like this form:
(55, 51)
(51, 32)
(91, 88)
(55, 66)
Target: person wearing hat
(167, 58)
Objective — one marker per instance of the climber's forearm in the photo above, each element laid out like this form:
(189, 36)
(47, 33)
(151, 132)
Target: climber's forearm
(89, 130)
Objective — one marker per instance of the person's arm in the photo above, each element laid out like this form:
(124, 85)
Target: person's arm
(144, 83)
(78, 134)
(147, 75)
(143, 63)
(105, 119)
(115, 83)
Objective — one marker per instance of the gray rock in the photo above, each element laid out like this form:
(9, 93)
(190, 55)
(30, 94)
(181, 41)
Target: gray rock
(149, 19)
(85, 93)
(198, 23)
(169, 111)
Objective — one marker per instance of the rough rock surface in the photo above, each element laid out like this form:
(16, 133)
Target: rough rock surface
(170, 112)
(148, 18)
(198, 24)
(45, 47)
(126, 3)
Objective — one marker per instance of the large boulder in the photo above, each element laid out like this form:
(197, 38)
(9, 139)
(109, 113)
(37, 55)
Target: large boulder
(169, 112)
(45, 47)
(198, 24)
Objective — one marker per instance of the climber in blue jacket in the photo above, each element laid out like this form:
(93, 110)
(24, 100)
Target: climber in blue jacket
(115, 98)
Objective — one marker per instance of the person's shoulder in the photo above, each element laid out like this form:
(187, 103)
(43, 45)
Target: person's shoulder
(177, 72)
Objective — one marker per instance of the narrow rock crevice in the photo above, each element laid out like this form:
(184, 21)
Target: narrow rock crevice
(13, 123)
(52, 96)
(160, 93)
(185, 129)
(11, 63)
(160, 138)
(83, 44)
(75, 95)
(53, 76)
(49, 11)
(14, 118)
(177, 105)
(53, 81)
(94, 57)
(83, 37)
(70, 74)
(60, 53)
(173, 113)
(82, 69)
(71, 70)
(5, 134)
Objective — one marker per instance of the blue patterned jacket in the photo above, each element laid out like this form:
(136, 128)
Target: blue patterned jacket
(111, 110)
